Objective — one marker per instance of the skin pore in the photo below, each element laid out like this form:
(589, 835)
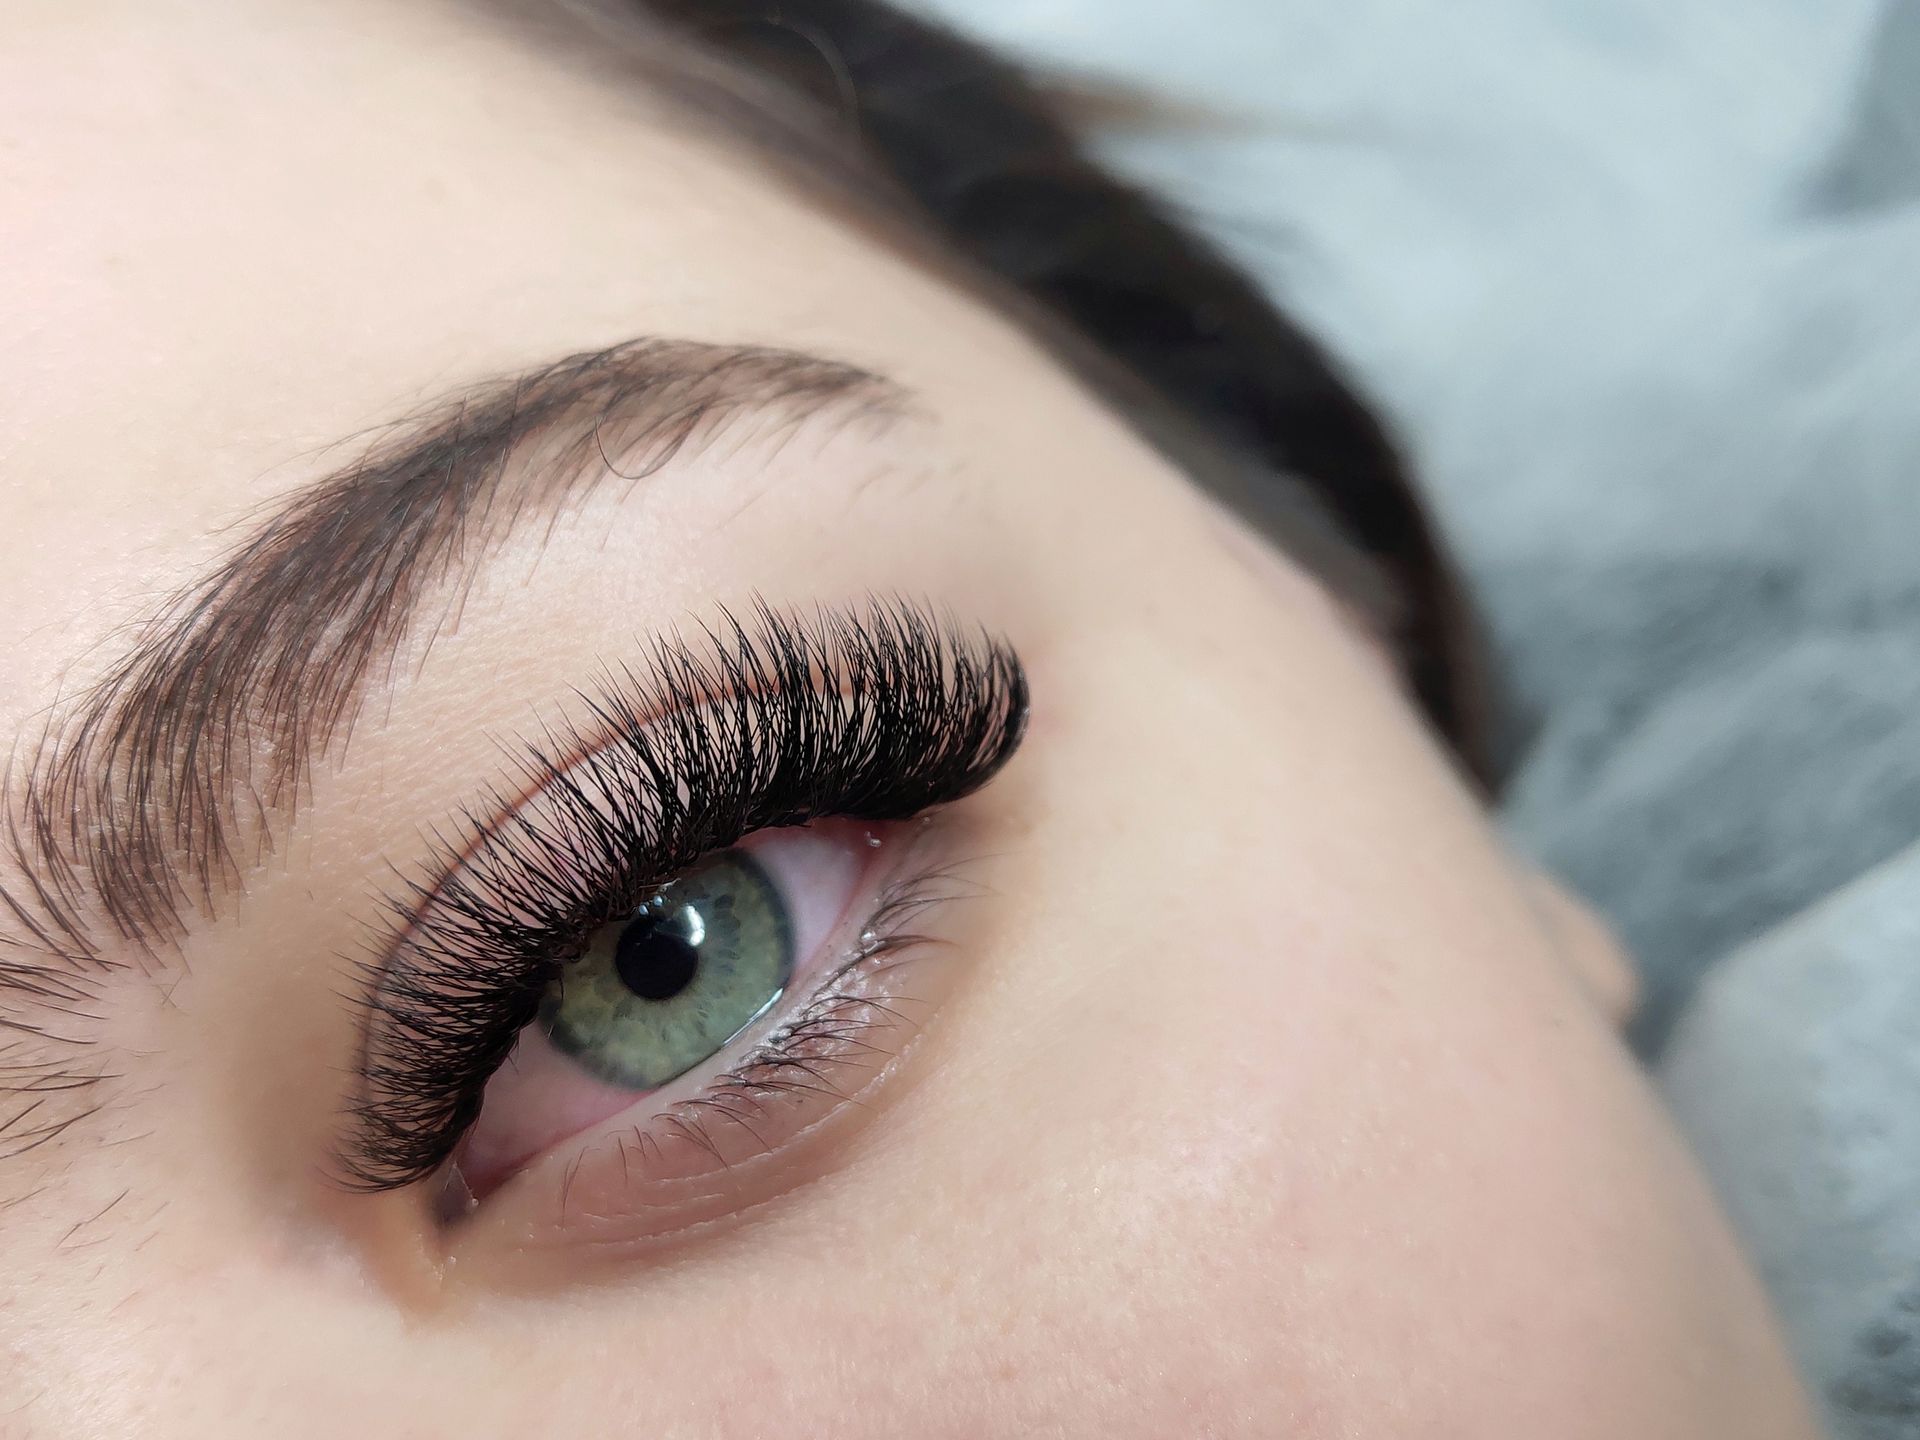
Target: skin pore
(1256, 1091)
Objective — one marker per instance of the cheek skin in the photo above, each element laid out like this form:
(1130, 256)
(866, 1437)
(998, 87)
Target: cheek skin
(1334, 1046)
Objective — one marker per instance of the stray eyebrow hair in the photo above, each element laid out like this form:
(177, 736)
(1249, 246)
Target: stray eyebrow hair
(145, 797)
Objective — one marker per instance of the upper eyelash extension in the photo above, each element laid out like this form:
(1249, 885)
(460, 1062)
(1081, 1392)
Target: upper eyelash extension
(775, 719)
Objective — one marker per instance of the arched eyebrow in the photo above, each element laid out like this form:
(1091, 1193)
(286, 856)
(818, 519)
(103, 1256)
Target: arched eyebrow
(143, 799)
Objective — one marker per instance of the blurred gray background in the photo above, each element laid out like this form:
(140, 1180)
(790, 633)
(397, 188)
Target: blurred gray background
(1638, 282)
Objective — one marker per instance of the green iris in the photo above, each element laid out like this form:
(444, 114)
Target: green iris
(655, 994)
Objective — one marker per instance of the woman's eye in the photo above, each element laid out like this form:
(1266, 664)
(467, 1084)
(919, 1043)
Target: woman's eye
(660, 991)
(697, 989)
(618, 1062)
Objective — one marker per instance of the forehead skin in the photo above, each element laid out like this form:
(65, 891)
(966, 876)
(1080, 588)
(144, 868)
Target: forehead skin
(1264, 1109)
(242, 233)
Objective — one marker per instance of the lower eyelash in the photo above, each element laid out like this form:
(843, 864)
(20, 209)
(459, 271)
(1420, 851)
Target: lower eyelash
(810, 1056)
(802, 1055)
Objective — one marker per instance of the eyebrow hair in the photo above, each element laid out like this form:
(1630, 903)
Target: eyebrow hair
(145, 797)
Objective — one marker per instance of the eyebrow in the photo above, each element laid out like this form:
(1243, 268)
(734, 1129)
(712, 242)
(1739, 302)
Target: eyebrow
(142, 800)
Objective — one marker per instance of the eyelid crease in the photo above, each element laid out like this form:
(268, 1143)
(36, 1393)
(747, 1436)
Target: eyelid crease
(876, 714)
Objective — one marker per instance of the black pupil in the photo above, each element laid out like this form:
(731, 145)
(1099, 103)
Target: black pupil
(656, 956)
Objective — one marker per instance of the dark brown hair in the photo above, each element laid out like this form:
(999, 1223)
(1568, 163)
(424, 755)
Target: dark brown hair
(978, 156)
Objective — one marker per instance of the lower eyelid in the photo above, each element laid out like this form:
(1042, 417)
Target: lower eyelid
(670, 1166)
(540, 1097)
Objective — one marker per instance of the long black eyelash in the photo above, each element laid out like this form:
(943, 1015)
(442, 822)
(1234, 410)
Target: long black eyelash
(776, 719)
